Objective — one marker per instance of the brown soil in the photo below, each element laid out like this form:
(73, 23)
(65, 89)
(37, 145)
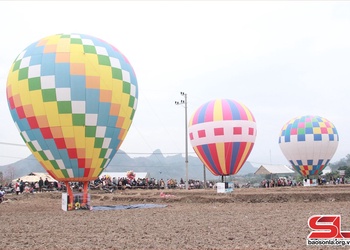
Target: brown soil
(274, 218)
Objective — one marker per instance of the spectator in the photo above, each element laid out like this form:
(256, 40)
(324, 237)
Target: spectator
(17, 187)
(41, 184)
(47, 183)
(21, 186)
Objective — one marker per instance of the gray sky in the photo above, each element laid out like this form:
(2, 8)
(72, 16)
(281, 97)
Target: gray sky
(282, 59)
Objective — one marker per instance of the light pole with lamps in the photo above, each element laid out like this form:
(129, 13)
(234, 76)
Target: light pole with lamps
(186, 137)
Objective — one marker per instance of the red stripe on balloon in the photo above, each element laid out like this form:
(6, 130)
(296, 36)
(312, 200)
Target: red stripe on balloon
(46, 132)
(214, 155)
(239, 156)
(20, 112)
(33, 123)
(209, 113)
(228, 156)
(244, 157)
(205, 159)
(11, 102)
(195, 117)
(202, 154)
(87, 172)
(242, 112)
(72, 153)
(81, 163)
(60, 143)
(226, 111)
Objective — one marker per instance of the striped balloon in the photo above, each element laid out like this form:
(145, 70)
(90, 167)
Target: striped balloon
(222, 133)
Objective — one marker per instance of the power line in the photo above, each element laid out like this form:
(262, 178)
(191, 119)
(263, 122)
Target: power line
(118, 152)
(123, 152)
(13, 144)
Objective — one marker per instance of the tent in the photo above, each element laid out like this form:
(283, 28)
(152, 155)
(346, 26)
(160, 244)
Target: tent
(274, 169)
(35, 177)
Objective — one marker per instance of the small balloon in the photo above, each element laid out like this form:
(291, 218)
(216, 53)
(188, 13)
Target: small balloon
(308, 143)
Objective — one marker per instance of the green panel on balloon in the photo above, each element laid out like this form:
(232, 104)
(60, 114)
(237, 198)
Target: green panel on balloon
(64, 107)
(116, 73)
(104, 60)
(49, 95)
(23, 74)
(34, 83)
(76, 41)
(78, 119)
(89, 49)
(90, 131)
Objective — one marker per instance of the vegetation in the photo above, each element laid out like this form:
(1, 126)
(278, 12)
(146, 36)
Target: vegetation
(342, 164)
(7, 176)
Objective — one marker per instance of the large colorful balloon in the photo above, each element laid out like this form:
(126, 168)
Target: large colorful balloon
(222, 133)
(73, 98)
(308, 143)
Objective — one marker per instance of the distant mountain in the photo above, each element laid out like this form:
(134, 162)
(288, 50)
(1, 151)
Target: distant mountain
(157, 165)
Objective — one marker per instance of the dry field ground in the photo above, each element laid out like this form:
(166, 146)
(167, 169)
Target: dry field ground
(253, 218)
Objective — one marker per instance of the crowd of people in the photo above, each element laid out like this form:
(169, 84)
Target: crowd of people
(104, 182)
(21, 186)
(113, 183)
(110, 184)
(278, 182)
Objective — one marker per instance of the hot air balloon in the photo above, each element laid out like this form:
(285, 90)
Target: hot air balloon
(222, 132)
(73, 98)
(308, 143)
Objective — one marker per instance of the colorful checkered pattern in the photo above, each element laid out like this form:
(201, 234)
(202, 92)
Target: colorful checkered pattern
(309, 142)
(73, 98)
(222, 133)
(301, 127)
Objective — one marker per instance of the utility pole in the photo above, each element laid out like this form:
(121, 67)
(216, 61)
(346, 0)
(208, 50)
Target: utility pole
(186, 137)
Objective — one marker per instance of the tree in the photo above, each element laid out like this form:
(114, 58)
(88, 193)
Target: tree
(9, 173)
(332, 176)
(347, 170)
(1, 178)
(344, 162)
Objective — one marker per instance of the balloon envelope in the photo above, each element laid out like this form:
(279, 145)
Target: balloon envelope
(222, 133)
(73, 98)
(308, 143)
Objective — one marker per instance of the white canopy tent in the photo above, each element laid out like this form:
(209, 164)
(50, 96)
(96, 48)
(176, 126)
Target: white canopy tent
(35, 177)
(274, 169)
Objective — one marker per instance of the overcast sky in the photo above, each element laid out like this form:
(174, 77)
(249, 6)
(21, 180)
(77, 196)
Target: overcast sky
(282, 59)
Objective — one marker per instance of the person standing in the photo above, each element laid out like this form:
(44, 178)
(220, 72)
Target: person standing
(47, 183)
(21, 186)
(41, 184)
(17, 187)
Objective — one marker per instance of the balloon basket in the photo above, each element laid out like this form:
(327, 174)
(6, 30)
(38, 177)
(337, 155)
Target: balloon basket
(310, 182)
(78, 202)
(224, 187)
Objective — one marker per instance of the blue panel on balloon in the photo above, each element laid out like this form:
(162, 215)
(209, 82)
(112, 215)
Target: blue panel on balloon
(35, 60)
(301, 137)
(62, 74)
(103, 114)
(48, 64)
(92, 101)
(317, 137)
(78, 84)
(309, 131)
